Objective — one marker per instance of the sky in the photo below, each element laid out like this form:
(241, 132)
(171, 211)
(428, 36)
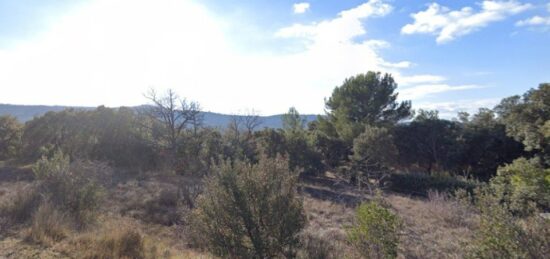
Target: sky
(233, 56)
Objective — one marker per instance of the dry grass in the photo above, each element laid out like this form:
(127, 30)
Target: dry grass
(324, 234)
(436, 227)
(430, 228)
(19, 205)
(48, 225)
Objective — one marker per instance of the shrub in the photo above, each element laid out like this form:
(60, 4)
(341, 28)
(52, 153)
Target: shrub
(523, 182)
(375, 232)
(250, 210)
(48, 225)
(10, 137)
(68, 190)
(501, 234)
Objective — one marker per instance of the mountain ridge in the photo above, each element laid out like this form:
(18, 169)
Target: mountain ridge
(25, 113)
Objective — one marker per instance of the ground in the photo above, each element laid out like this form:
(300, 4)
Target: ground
(434, 227)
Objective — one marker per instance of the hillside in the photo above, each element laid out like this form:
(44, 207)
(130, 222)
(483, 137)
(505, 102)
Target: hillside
(211, 119)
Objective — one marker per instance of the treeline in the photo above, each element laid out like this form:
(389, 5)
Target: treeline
(365, 130)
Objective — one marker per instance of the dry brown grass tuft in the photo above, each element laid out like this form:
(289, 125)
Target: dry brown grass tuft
(455, 213)
(48, 225)
(20, 205)
(324, 234)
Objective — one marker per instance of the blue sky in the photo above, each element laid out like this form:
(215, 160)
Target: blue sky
(233, 56)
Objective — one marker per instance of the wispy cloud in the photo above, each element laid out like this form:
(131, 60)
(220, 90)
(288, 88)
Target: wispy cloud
(420, 91)
(450, 24)
(539, 21)
(300, 8)
(535, 21)
(420, 79)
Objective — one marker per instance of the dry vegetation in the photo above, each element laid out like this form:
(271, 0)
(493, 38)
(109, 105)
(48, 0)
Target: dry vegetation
(145, 217)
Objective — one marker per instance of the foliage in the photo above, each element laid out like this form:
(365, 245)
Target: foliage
(365, 99)
(502, 235)
(374, 149)
(250, 210)
(68, 190)
(483, 146)
(525, 118)
(375, 233)
(420, 184)
(113, 135)
(427, 141)
(10, 137)
(523, 182)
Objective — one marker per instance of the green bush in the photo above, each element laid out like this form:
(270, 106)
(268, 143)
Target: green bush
(522, 183)
(375, 232)
(69, 190)
(10, 137)
(250, 210)
(501, 234)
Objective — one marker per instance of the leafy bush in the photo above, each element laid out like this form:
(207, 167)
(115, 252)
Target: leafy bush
(10, 137)
(68, 190)
(250, 210)
(523, 182)
(375, 232)
(501, 234)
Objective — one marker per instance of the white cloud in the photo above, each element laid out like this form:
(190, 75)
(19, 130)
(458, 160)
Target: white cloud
(450, 24)
(534, 21)
(106, 52)
(420, 79)
(420, 91)
(300, 8)
(341, 29)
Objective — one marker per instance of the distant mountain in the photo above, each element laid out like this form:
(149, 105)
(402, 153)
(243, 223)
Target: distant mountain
(217, 120)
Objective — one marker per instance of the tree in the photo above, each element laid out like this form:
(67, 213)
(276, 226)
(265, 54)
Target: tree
(293, 121)
(10, 137)
(525, 118)
(523, 182)
(174, 115)
(250, 210)
(365, 99)
(373, 153)
(483, 146)
(300, 149)
(427, 141)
